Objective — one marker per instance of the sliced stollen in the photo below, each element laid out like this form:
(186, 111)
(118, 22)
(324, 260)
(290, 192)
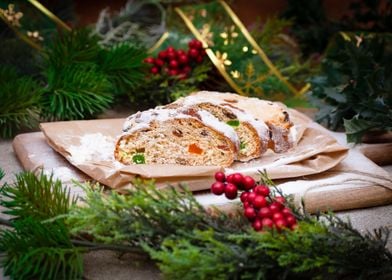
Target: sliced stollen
(253, 134)
(275, 115)
(168, 136)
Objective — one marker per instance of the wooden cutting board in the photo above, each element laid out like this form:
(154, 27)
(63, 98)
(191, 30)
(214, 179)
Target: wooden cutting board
(35, 154)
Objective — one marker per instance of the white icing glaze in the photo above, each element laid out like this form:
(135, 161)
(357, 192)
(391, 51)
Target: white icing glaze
(222, 127)
(293, 134)
(142, 120)
(260, 126)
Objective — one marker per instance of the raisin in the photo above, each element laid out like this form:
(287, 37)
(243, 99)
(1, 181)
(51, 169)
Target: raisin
(177, 133)
(223, 147)
(229, 114)
(286, 116)
(204, 133)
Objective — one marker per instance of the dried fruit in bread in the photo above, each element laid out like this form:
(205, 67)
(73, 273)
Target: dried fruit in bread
(167, 136)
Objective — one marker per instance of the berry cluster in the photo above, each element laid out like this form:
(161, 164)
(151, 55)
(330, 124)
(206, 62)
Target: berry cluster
(260, 207)
(177, 62)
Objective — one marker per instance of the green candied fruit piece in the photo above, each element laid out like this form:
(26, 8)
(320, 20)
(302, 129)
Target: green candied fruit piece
(233, 123)
(138, 159)
(242, 145)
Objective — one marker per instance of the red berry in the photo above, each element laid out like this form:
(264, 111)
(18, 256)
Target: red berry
(280, 199)
(231, 191)
(173, 72)
(191, 43)
(244, 197)
(237, 179)
(193, 53)
(277, 216)
(154, 70)
(279, 205)
(220, 176)
(187, 69)
(257, 225)
(194, 43)
(286, 211)
(149, 60)
(183, 59)
(248, 182)
(259, 201)
(162, 55)
(251, 197)
(159, 62)
(199, 59)
(181, 52)
(280, 223)
(291, 220)
(171, 55)
(262, 190)
(229, 178)
(250, 213)
(274, 208)
(170, 49)
(265, 212)
(218, 188)
(267, 222)
(173, 63)
(247, 204)
(294, 227)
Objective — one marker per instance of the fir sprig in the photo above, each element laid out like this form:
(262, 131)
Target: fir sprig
(144, 216)
(41, 197)
(123, 65)
(76, 92)
(36, 250)
(20, 102)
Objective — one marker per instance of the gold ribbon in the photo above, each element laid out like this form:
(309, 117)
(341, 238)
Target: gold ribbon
(251, 41)
(50, 15)
(209, 52)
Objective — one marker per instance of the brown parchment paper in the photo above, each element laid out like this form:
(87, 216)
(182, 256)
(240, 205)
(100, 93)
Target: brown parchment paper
(315, 152)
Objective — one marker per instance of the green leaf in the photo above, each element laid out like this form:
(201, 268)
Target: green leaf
(355, 128)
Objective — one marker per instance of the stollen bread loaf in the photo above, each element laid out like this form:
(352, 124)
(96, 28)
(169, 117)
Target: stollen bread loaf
(275, 116)
(169, 136)
(253, 134)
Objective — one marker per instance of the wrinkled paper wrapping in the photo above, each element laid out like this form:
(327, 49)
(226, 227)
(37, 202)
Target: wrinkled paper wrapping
(315, 152)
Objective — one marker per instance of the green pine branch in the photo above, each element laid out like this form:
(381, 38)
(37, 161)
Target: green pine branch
(20, 102)
(76, 92)
(41, 197)
(123, 65)
(36, 250)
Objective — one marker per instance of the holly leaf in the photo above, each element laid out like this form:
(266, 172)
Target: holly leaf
(356, 128)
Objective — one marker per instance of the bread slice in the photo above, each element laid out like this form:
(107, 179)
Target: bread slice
(253, 134)
(275, 116)
(166, 136)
